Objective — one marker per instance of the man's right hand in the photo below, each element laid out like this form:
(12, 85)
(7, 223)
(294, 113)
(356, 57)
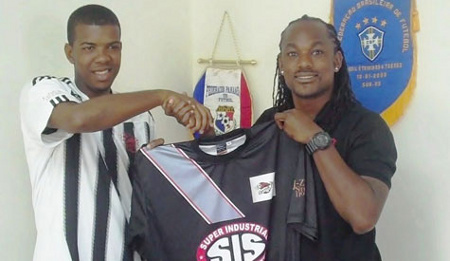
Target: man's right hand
(188, 112)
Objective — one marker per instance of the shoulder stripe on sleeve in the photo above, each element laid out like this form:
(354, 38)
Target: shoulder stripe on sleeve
(66, 80)
(57, 100)
(40, 78)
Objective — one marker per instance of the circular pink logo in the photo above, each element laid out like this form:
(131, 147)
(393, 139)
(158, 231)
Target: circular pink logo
(235, 242)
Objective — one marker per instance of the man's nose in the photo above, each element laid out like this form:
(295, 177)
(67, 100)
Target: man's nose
(103, 55)
(304, 61)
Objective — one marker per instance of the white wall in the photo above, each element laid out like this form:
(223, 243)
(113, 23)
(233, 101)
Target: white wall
(163, 40)
(415, 223)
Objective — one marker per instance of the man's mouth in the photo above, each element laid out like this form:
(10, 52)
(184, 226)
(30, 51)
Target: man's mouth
(305, 77)
(102, 75)
(102, 72)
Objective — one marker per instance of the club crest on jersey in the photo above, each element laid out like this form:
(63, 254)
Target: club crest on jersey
(225, 121)
(262, 187)
(234, 242)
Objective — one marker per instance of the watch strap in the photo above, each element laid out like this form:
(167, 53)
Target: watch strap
(311, 147)
(320, 141)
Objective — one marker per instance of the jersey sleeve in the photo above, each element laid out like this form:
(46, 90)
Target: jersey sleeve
(143, 234)
(373, 152)
(38, 98)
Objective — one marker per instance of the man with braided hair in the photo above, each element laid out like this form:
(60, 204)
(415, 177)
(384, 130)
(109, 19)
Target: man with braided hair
(351, 150)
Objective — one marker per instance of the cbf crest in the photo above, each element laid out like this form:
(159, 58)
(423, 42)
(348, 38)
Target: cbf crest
(371, 40)
(378, 40)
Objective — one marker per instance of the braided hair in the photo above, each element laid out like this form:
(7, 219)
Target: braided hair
(342, 97)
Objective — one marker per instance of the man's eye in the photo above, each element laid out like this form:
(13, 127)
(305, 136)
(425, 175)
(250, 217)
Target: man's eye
(115, 47)
(88, 48)
(317, 52)
(292, 54)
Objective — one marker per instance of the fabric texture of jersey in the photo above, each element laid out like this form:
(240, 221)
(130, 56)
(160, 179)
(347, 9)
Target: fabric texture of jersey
(81, 195)
(366, 144)
(189, 205)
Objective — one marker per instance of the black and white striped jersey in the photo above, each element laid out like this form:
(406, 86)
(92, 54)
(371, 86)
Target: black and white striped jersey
(81, 191)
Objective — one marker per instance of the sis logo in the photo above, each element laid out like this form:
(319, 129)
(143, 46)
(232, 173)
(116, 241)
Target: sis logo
(234, 242)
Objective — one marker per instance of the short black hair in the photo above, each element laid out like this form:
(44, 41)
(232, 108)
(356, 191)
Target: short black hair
(90, 15)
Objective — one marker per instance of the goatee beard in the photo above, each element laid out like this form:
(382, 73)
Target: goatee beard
(312, 95)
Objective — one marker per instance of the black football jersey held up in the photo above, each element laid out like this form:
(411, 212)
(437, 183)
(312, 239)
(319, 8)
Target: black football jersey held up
(190, 205)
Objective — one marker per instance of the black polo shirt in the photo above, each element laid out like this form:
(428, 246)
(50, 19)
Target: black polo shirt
(366, 144)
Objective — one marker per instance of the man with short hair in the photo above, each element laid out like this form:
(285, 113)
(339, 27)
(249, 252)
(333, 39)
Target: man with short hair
(80, 139)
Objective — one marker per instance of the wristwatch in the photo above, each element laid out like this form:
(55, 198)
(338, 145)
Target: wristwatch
(319, 141)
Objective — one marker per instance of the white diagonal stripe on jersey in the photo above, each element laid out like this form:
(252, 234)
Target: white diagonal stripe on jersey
(193, 183)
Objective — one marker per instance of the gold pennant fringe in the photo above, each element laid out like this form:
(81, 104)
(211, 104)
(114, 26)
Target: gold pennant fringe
(392, 114)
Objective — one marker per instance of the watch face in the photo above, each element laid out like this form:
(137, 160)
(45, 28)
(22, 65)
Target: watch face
(322, 140)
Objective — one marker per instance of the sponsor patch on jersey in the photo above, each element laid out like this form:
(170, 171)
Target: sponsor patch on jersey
(263, 187)
(235, 242)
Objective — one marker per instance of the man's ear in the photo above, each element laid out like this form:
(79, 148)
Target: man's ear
(338, 57)
(68, 50)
